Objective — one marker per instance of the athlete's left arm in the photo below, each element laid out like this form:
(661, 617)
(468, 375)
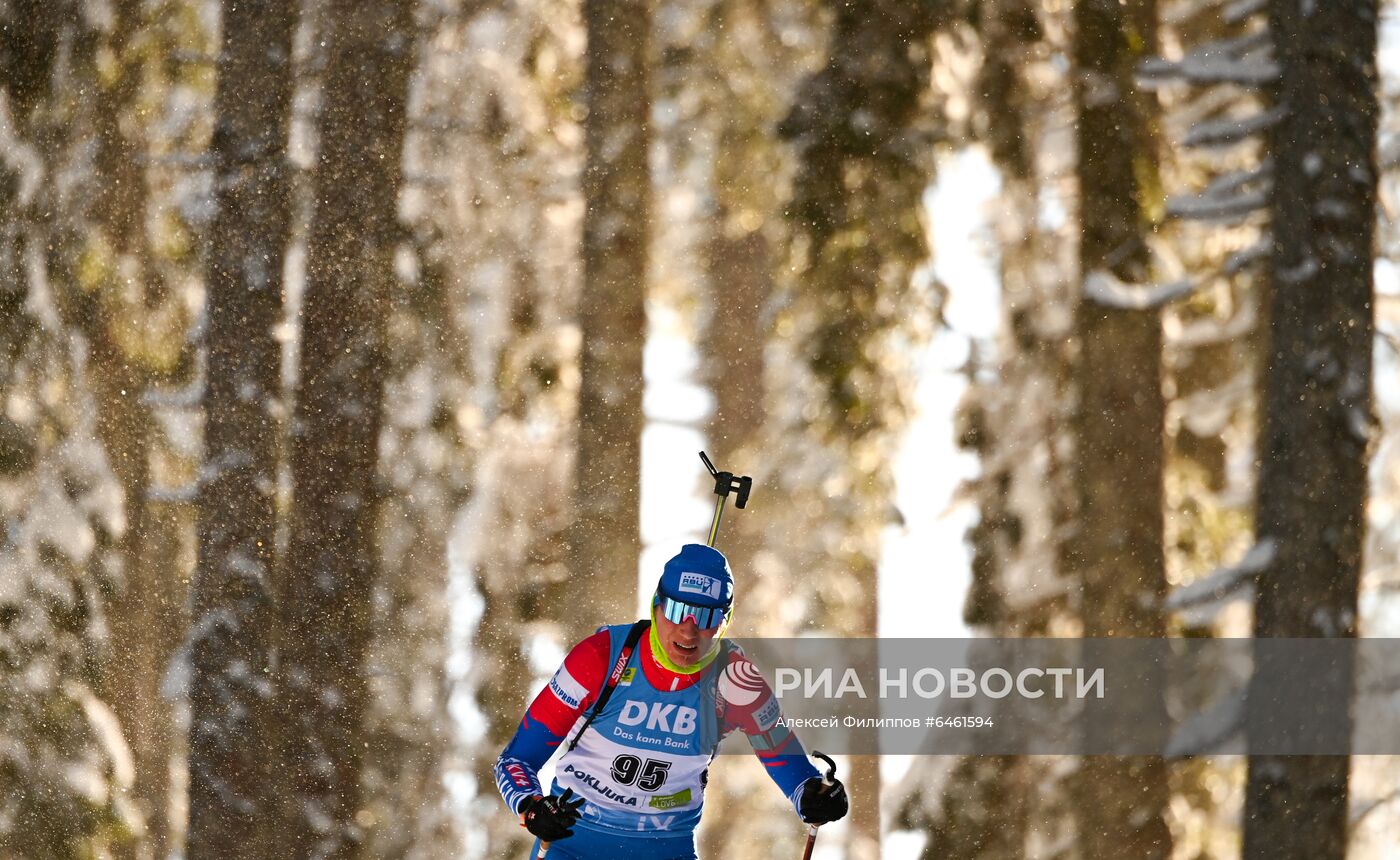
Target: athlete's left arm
(749, 705)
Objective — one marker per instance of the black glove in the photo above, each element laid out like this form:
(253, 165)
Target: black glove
(820, 803)
(551, 818)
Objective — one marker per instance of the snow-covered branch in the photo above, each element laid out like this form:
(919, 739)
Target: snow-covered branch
(1236, 47)
(19, 156)
(1242, 9)
(185, 397)
(187, 494)
(1363, 810)
(1102, 287)
(1246, 71)
(1207, 412)
(1236, 180)
(1245, 61)
(1243, 259)
(1390, 339)
(1227, 131)
(1219, 208)
(1212, 330)
(1200, 106)
(1232, 197)
(1224, 582)
(1209, 730)
(1389, 153)
(233, 461)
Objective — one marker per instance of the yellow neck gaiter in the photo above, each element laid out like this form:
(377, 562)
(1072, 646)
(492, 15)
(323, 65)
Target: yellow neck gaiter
(659, 653)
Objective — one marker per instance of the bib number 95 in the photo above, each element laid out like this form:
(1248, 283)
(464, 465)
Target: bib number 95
(646, 774)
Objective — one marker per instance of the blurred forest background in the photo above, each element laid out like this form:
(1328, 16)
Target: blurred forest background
(323, 325)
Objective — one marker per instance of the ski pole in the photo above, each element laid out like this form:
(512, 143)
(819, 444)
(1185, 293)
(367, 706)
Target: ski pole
(726, 482)
(826, 783)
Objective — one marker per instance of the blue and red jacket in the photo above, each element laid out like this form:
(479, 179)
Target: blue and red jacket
(642, 764)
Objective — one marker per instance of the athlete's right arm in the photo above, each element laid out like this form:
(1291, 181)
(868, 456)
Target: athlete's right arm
(572, 690)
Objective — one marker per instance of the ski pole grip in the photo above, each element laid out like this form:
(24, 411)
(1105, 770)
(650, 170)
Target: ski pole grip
(728, 482)
(745, 484)
(830, 775)
(708, 464)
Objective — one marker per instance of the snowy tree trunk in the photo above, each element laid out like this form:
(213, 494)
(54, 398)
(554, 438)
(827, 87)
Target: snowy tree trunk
(498, 275)
(331, 558)
(739, 268)
(605, 541)
(106, 308)
(523, 499)
(143, 618)
(67, 767)
(151, 727)
(732, 349)
(231, 806)
(1005, 806)
(1317, 414)
(1116, 555)
(428, 471)
(999, 806)
(857, 128)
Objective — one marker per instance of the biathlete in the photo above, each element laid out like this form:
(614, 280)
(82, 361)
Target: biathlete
(631, 782)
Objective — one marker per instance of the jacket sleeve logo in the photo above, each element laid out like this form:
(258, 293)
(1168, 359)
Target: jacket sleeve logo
(566, 689)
